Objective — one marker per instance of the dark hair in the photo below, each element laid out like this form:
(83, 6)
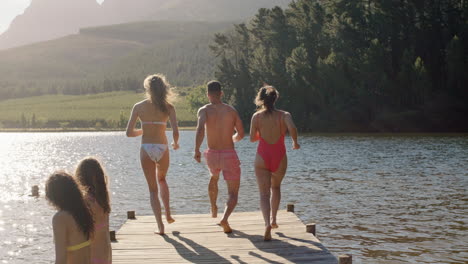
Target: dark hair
(214, 87)
(64, 193)
(91, 176)
(158, 91)
(266, 98)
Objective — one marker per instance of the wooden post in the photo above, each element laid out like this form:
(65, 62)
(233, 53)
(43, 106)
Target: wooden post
(35, 191)
(310, 228)
(345, 259)
(112, 236)
(290, 208)
(131, 215)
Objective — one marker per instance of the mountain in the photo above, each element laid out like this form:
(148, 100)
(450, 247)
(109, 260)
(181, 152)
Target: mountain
(212, 10)
(123, 11)
(50, 19)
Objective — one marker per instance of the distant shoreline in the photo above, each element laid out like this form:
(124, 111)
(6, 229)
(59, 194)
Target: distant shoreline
(61, 130)
(91, 129)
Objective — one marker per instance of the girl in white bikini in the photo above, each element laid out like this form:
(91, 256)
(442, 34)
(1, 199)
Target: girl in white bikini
(153, 113)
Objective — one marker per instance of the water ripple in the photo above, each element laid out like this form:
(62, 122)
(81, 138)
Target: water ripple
(384, 199)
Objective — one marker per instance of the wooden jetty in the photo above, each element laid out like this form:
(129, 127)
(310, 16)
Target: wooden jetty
(196, 238)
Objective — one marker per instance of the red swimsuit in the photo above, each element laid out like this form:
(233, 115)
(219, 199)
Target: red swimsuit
(272, 154)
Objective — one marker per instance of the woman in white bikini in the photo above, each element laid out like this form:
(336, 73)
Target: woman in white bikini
(153, 113)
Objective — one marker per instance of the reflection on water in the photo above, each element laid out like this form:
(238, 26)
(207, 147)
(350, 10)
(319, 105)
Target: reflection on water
(384, 199)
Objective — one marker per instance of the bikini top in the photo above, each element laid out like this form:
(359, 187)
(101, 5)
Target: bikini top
(79, 246)
(153, 123)
(97, 226)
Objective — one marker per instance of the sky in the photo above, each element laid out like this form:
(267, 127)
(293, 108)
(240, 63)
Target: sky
(9, 9)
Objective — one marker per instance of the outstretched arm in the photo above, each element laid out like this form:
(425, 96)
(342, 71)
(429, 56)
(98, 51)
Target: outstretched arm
(254, 136)
(175, 127)
(200, 135)
(131, 131)
(239, 129)
(60, 239)
(292, 130)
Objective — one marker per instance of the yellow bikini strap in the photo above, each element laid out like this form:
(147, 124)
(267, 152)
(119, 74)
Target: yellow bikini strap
(79, 246)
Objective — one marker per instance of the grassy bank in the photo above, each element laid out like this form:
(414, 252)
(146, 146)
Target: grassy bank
(96, 111)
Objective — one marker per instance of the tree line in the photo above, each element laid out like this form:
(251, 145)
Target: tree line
(31, 121)
(342, 65)
(22, 89)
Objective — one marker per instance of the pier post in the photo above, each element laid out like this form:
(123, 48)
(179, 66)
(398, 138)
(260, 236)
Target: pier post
(131, 215)
(290, 208)
(345, 259)
(35, 191)
(311, 228)
(112, 236)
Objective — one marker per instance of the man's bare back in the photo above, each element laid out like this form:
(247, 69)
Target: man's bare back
(220, 123)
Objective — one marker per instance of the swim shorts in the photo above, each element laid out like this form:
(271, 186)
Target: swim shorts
(225, 161)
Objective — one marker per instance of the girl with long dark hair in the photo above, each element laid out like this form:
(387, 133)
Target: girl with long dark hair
(91, 176)
(73, 224)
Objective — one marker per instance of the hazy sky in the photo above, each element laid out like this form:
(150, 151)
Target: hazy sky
(9, 9)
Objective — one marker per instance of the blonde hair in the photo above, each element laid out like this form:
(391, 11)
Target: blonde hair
(158, 91)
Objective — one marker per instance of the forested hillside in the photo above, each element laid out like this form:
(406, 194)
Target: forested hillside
(340, 66)
(111, 58)
(354, 65)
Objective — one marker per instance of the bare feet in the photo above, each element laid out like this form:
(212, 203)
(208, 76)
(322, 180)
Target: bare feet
(170, 220)
(267, 236)
(214, 211)
(225, 226)
(159, 231)
(274, 225)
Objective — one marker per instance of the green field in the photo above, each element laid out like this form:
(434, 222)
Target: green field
(71, 108)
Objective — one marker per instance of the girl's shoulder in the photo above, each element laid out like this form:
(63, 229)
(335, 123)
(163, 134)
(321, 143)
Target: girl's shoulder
(61, 217)
(141, 103)
(283, 113)
(170, 106)
(259, 113)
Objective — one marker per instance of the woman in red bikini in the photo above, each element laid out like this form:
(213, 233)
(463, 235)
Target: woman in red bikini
(91, 176)
(269, 126)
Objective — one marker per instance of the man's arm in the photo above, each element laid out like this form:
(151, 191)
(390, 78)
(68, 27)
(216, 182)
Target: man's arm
(254, 136)
(200, 134)
(175, 127)
(239, 129)
(292, 129)
(131, 131)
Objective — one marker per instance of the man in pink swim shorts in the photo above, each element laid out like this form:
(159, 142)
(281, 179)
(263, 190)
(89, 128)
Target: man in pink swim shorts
(220, 121)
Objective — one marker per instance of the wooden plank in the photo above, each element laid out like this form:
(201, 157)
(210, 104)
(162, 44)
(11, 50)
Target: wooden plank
(198, 239)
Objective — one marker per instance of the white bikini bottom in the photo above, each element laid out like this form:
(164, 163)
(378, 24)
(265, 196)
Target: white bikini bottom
(155, 151)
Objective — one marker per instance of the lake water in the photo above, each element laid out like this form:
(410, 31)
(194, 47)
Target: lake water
(384, 199)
